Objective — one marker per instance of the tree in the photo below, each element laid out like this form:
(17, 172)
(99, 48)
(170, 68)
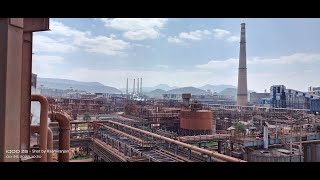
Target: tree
(86, 116)
(239, 127)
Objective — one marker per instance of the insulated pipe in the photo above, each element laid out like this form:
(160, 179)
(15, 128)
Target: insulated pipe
(50, 145)
(36, 129)
(43, 124)
(265, 137)
(64, 135)
(203, 151)
(122, 133)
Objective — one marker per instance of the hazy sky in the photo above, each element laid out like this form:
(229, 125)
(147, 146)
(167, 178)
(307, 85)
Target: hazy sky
(180, 52)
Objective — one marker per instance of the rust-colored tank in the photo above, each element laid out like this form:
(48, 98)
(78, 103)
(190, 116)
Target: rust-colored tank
(200, 120)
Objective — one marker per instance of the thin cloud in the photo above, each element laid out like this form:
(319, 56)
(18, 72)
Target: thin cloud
(162, 66)
(74, 39)
(136, 29)
(198, 35)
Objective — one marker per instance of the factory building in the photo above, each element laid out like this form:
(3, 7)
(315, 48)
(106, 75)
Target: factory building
(281, 97)
(205, 99)
(259, 98)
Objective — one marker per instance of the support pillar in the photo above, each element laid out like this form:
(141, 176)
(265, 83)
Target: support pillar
(87, 150)
(125, 150)
(15, 82)
(130, 152)
(176, 149)
(219, 146)
(189, 154)
(26, 75)
(11, 40)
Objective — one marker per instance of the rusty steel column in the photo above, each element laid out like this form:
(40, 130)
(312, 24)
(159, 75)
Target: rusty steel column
(44, 106)
(11, 35)
(64, 135)
(25, 119)
(49, 145)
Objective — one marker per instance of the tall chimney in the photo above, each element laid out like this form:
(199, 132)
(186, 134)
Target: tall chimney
(134, 85)
(127, 86)
(141, 86)
(242, 95)
(138, 86)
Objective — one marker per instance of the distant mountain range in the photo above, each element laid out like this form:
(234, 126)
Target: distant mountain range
(192, 90)
(155, 91)
(94, 87)
(160, 86)
(232, 92)
(216, 88)
(164, 87)
(159, 92)
(229, 92)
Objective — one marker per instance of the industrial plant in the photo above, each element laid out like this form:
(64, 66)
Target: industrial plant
(43, 124)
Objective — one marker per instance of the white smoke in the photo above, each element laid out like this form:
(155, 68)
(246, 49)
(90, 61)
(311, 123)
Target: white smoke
(35, 108)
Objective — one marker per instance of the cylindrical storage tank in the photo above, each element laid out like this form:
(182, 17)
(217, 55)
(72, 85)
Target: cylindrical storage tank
(196, 122)
(312, 152)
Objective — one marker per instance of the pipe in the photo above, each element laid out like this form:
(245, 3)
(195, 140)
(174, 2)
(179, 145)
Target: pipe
(43, 124)
(309, 141)
(64, 135)
(36, 129)
(122, 133)
(265, 137)
(204, 151)
(50, 145)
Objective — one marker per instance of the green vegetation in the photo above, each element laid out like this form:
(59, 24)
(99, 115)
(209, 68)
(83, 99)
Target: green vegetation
(86, 116)
(239, 127)
(81, 156)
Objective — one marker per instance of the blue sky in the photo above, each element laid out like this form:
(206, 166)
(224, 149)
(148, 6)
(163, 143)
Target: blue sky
(180, 51)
